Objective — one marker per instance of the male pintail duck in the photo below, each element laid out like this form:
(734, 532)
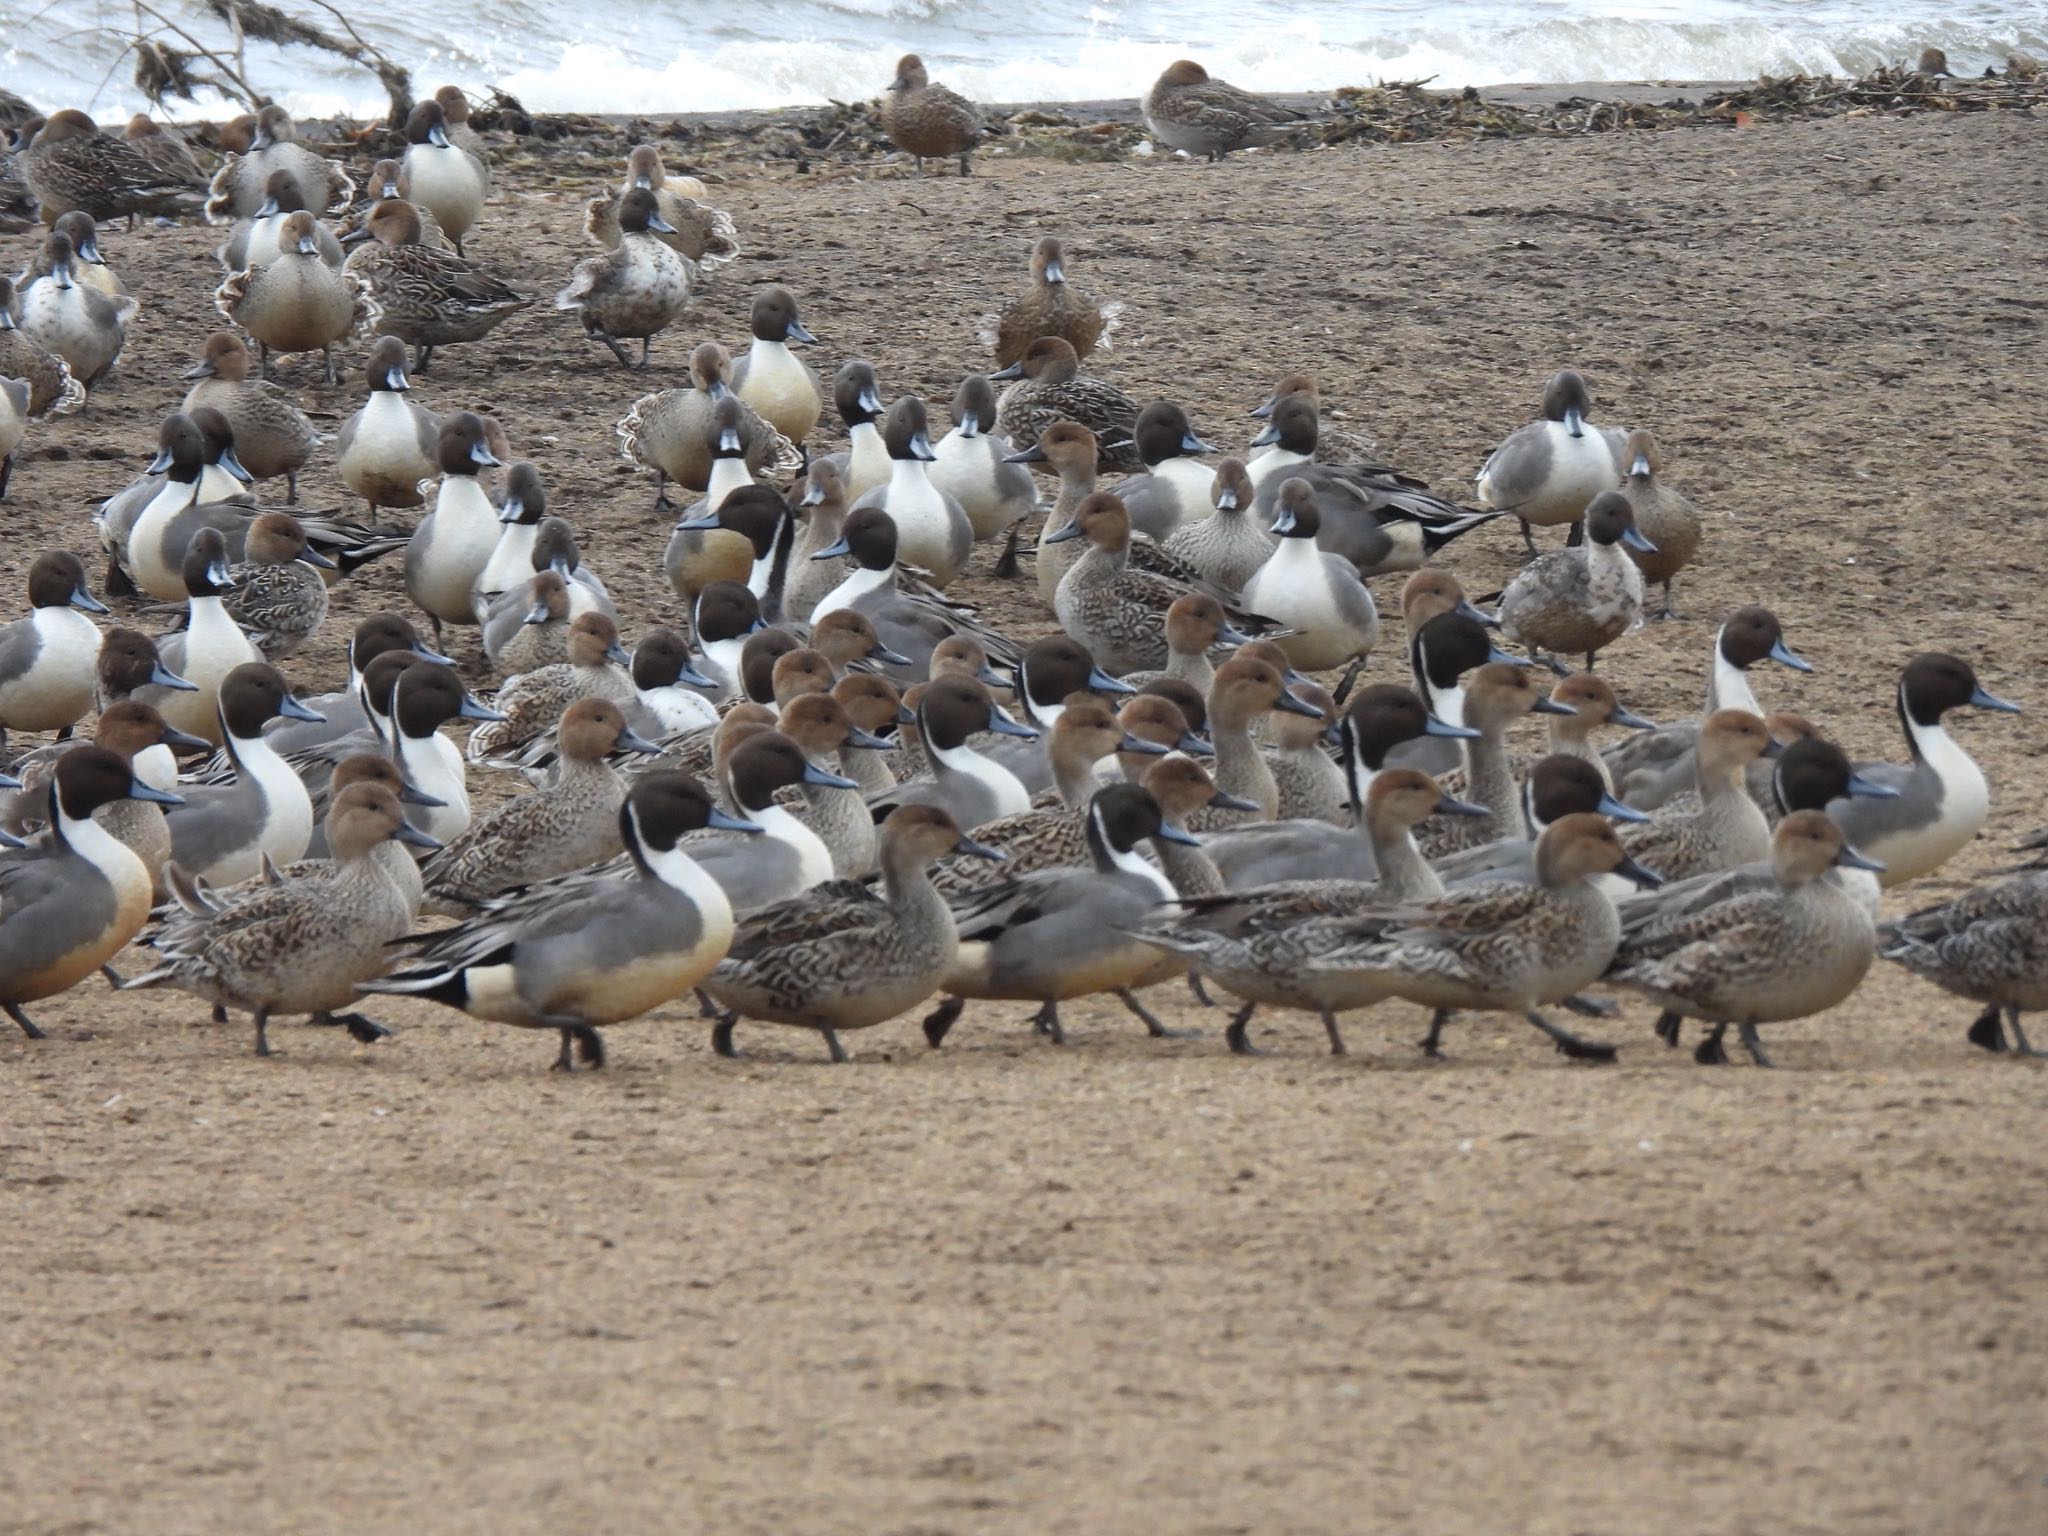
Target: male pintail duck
(222, 833)
(1764, 957)
(1727, 827)
(76, 321)
(790, 857)
(1050, 387)
(70, 906)
(342, 712)
(1226, 547)
(48, 660)
(1556, 786)
(450, 181)
(704, 234)
(911, 619)
(928, 121)
(389, 446)
(13, 426)
(746, 537)
(1174, 489)
(1498, 695)
(857, 396)
(1441, 650)
(51, 387)
(296, 304)
(670, 431)
(276, 590)
(972, 464)
(428, 696)
(210, 646)
(1546, 472)
(1045, 680)
(452, 544)
(527, 626)
(528, 541)
(1583, 598)
(242, 184)
(254, 241)
(71, 164)
(1317, 596)
(422, 295)
(773, 379)
(272, 435)
(388, 183)
(88, 262)
(596, 668)
(973, 788)
(1943, 798)
(1663, 516)
(1188, 111)
(1989, 945)
(1052, 306)
(640, 289)
(932, 529)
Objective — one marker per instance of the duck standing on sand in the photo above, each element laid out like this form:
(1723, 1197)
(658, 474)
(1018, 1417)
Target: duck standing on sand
(418, 294)
(1663, 516)
(670, 431)
(296, 304)
(1546, 472)
(1989, 945)
(48, 376)
(252, 242)
(1188, 111)
(771, 378)
(453, 543)
(1050, 387)
(1585, 597)
(923, 119)
(1052, 306)
(702, 233)
(1318, 596)
(388, 447)
(272, 435)
(972, 464)
(932, 530)
(640, 289)
(450, 183)
(72, 318)
(49, 660)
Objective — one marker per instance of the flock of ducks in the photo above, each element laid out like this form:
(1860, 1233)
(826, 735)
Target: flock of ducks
(841, 795)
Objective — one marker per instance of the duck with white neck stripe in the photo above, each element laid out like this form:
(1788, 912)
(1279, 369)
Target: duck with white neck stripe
(342, 711)
(1557, 786)
(1440, 654)
(864, 463)
(222, 833)
(773, 379)
(452, 544)
(389, 446)
(668, 430)
(972, 788)
(1175, 487)
(49, 660)
(451, 182)
(972, 465)
(1547, 472)
(788, 858)
(910, 618)
(210, 646)
(932, 530)
(1317, 595)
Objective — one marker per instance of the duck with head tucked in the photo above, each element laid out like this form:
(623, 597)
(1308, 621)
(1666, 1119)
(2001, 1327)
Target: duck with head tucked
(640, 289)
(1189, 111)
(926, 120)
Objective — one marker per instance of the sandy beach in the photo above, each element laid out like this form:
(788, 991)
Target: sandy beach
(1136, 1286)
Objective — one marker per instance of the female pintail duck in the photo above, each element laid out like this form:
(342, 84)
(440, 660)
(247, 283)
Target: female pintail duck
(1379, 519)
(1649, 769)
(222, 833)
(932, 528)
(1318, 596)
(1044, 682)
(846, 638)
(253, 241)
(570, 825)
(1228, 546)
(71, 164)
(422, 295)
(453, 543)
(1196, 624)
(1171, 715)
(389, 183)
(669, 702)
(528, 627)
(1188, 111)
(1593, 707)
(210, 646)
(242, 184)
(1664, 516)
(1498, 696)
(770, 377)
(1546, 472)
(450, 181)
(972, 465)
(574, 953)
(48, 660)
(13, 426)
(1312, 786)
(1764, 957)
(73, 319)
(1786, 729)
(1556, 786)
(301, 946)
(272, 435)
(746, 538)
(1989, 945)
(704, 234)
(857, 396)
(669, 431)
(1174, 489)
(973, 788)
(1052, 306)
(1943, 798)
(276, 590)
(640, 289)
(1060, 934)
(69, 907)
(1070, 449)
(342, 711)
(1586, 597)
(924, 120)
(874, 705)
(840, 956)
(396, 857)
(1258, 941)
(163, 147)
(296, 304)
(528, 541)
(827, 736)
(596, 668)
(51, 387)
(821, 504)
(1104, 601)
(1727, 828)
(1245, 691)
(456, 125)
(1050, 387)
(910, 618)
(88, 262)
(387, 448)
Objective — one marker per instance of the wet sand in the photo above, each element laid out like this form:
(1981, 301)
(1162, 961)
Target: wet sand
(1135, 1286)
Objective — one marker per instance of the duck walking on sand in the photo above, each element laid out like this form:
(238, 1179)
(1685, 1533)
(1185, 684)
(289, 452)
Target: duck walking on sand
(272, 435)
(387, 448)
(1105, 601)
(640, 289)
(296, 304)
(1663, 516)
(1052, 306)
(428, 297)
(927, 120)
(1049, 387)
(1546, 472)
(1582, 598)
(1989, 945)
(1188, 111)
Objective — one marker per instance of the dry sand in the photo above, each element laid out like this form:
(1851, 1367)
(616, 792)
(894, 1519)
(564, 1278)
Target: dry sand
(1130, 1286)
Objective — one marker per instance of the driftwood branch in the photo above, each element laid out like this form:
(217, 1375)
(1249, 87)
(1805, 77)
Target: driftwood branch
(170, 61)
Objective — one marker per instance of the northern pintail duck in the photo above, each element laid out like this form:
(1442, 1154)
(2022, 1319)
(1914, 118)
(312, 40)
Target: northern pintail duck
(529, 540)
(1593, 707)
(702, 233)
(1050, 387)
(528, 626)
(972, 464)
(456, 125)
(163, 147)
(48, 660)
(1227, 547)
(342, 711)
(1556, 786)
(272, 435)
(452, 544)
(1498, 695)
(1727, 828)
(874, 705)
(425, 296)
(857, 396)
(71, 164)
(1245, 690)
(1586, 597)
(910, 618)
(571, 824)
(670, 431)
(821, 506)
(1989, 945)
(450, 181)
(13, 426)
(210, 646)
(1441, 651)
(222, 833)
(296, 304)
(1317, 596)
(1663, 515)
(1069, 448)
(575, 953)
(69, 907)
(128, 661)
(746, 538)
(1546, 472)
(254, 241)
(88, 261)
(1649, 769)
(396, 857)
(301, 946)
(974, 788)
(276, 590)
(827, 736)
(1106, 601)
(1312, 786)
(73, 319)
(1196, 624)
(51, 387)
(1052, 306)
(1943, 798)
(595, 668)
(926, 120)
(932, 529)
(242, 184)
(388, 447)
(1175, 488)
(1188, 111)
(1764, 957)
(770, 377)
(1047, 676)
(428, 696)
(389, 183)
(789, 858)
(640, 289)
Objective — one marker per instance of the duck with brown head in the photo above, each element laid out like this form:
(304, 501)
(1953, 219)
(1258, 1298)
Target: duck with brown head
(296, 304)
(388, 447)
(670, 431)
(272, 435)
(48, 659)
(932, 528)
(421, 294)
(253, 241)
(928, 121)
(452, 544)
(71, 164)
(442, 177)
(72, 318)
(1052, 306)
(704, 234)
(222, 833)
(1049, 387)
(48, 376)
